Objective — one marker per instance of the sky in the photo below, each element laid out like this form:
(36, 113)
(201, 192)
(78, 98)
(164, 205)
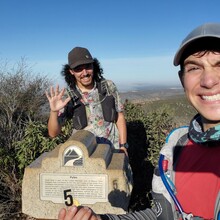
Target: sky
(134, 40)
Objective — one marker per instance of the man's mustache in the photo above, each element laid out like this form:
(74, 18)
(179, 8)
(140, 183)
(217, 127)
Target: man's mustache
(87, 75)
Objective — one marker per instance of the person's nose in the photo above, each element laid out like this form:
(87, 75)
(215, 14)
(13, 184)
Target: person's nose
(84, 71)
(209, 77)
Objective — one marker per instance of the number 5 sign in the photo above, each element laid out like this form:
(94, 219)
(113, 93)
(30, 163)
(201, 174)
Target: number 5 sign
(68, 198)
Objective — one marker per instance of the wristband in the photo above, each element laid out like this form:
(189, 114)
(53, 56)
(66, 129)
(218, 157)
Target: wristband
(125, 145)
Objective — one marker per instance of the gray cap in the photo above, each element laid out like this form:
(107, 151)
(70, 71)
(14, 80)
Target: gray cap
(78, 56)
(209, 30)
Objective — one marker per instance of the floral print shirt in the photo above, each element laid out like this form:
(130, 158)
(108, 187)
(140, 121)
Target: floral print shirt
(105, 132)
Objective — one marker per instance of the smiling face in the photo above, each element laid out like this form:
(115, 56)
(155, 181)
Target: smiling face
(84, 76)
(201, 81)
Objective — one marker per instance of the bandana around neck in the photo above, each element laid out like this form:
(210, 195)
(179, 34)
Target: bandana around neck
(198, 136)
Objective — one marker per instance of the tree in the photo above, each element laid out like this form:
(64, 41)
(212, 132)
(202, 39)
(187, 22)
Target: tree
(22, 101)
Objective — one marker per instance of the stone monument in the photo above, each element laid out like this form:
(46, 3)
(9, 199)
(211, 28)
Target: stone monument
(79, 172)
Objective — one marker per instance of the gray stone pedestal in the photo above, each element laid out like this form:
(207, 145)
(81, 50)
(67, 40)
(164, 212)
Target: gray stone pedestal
(78, 172)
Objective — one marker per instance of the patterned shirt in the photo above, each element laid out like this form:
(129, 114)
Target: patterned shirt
(105, 132)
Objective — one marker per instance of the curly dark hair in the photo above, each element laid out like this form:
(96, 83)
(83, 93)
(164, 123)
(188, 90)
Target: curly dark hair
(71, 80)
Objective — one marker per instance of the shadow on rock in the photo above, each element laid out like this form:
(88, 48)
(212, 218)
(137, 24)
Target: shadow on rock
(119, 199)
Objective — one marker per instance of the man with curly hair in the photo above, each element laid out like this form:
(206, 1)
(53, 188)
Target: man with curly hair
(93, 103)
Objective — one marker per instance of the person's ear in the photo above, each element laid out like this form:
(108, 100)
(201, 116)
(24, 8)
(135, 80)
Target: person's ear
(71, 72)
(180, 73)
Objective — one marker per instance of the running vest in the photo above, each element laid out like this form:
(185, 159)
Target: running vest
(76, 110)
(165, 205)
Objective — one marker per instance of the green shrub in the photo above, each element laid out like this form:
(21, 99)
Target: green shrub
(157, 124)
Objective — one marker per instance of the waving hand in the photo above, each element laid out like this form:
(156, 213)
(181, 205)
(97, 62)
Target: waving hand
(56, 99)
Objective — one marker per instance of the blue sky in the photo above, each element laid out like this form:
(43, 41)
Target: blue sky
(135, 40)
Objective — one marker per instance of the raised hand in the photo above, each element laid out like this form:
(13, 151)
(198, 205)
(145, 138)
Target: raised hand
(56, 99)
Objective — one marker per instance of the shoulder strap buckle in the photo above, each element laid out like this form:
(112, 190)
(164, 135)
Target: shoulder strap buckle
(72, 95)
(104, 89)
(187, 216)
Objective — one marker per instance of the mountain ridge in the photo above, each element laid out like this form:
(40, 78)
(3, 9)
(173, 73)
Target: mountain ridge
(149, 93)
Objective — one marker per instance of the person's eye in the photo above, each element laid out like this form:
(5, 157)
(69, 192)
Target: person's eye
(78, 69)
(188, 69)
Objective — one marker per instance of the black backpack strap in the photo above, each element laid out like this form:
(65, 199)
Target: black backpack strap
(74, 95)
(103, 89)
(76, 110)
(107, 101)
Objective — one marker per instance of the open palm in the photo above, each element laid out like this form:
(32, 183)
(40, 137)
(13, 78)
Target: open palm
(56, 99)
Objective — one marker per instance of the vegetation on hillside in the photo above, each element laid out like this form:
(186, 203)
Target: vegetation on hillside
(182, 110)
(23, 131)
(23, 128)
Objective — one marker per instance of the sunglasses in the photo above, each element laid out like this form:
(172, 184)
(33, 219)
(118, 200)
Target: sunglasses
(80, 68)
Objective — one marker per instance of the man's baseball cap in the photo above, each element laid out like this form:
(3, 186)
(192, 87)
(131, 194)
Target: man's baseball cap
(78, 56)
(198, 38)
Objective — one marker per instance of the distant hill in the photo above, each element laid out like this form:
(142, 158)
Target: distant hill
(154, 98)
(150, 93)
